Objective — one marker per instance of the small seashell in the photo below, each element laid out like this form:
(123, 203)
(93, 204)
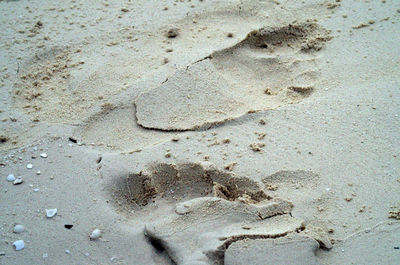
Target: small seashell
(19, 245)
(29, 166)
(18, 181)
(44, 155)
(51, 212)
(10, 177)
(19, 229)
(96, 234)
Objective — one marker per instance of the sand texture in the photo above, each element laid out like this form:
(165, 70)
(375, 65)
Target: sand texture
(199, 132)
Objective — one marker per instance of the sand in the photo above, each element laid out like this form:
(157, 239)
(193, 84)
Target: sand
(200, 132)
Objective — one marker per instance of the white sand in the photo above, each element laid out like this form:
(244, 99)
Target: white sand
(261, 127)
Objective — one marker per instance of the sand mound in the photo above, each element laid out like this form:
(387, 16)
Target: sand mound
(115, 128)
(269, 68)
(291, 249)
(209, 226)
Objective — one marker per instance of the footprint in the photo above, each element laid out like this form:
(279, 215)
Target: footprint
(206, 211)
(172, 183)
(269, 68)
(58, 86)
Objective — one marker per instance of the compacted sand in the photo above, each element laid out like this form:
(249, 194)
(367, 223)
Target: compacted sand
(200, 132)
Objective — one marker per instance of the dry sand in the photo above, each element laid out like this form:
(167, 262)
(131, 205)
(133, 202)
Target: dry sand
(200, 132)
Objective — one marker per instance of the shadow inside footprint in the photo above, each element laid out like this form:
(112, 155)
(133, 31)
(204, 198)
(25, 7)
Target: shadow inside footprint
(174, 183)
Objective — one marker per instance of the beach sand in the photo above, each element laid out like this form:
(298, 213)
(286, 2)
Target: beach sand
(200, 132)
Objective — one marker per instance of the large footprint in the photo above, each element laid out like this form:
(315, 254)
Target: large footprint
(269, 68)
(209, 210)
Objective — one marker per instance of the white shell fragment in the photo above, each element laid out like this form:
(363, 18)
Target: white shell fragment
(51, 212)
(19, 245)
(19, 229)
(18, 181)
(10, 177)
(29, 166)
(96, 234)
(44, 155)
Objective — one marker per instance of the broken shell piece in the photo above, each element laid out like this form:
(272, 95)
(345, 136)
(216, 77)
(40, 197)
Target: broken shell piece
(51, 212)
(10, 177)
(19, 245)
(96, 234)
(19, 229)
(18, 181)
(44, 155)
(29, 166)
(182, 208)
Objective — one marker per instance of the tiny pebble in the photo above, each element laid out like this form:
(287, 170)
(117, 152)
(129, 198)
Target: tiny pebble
(96, 234)
(29, 166)
(36, 190)
(19, 229)
(18, 181)
(67, 251)
(44, 155)
(19, 245)
(172, 32)
(2, 253)
(51, 212)
(38, 172)
(10, 177)
(45, 255)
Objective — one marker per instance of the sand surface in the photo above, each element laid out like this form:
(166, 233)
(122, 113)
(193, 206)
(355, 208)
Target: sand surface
(200, 132)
